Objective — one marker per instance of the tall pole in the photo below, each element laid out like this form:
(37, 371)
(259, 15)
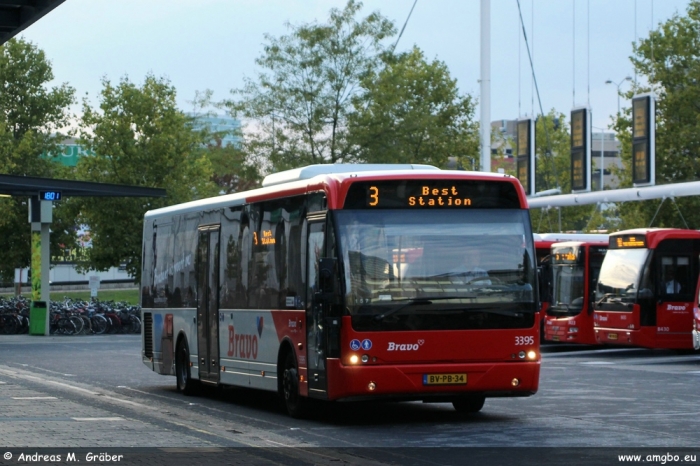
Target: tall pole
(602, 156)
(485, 85)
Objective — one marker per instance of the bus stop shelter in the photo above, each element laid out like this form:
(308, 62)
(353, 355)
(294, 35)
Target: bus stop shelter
(17, 15)
(42, 192)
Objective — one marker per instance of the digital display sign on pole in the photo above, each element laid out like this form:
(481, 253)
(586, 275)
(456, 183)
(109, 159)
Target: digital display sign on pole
(581, 150)
(525, 154)
(643, 140)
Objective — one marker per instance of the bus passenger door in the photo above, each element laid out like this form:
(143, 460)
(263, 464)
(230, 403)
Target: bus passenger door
(315, 310)
(208, 303)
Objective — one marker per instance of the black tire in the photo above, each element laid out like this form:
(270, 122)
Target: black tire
(10, 325)
(65, 326)
(98, 324)
(469, 403)
(185, 383)
(295, 404)
(134, 324)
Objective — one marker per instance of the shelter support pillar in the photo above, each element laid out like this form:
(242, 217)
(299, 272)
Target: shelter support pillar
(40, 217)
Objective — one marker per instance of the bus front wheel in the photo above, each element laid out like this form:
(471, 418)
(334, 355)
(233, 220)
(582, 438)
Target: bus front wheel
(293, 401)
(469, 403)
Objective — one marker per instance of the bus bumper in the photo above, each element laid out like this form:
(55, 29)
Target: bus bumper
(409, 382)
(696, 340)
(646, 337)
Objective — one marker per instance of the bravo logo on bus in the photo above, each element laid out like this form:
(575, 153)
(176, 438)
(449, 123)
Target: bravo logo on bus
(244, 345)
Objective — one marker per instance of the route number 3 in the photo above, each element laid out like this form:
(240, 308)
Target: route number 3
(519, 341)
(373, 195)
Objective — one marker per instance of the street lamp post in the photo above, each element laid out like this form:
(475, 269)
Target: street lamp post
(609, 81)
(602, 156)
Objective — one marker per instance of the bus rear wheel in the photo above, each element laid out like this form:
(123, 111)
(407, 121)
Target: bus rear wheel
(293, 401)
(469, 403)
(185, 384)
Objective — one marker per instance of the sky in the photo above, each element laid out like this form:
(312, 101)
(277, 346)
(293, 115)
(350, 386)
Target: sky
(576, 45)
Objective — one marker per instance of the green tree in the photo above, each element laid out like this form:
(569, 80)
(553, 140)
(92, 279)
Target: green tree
(667, 62)
(139, 138)
(232, 168)
(31, 113)
(300, 103)
(411, 112)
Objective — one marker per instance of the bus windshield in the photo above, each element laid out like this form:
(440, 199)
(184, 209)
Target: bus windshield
(620, 274)
(569, 288)
(429, 269)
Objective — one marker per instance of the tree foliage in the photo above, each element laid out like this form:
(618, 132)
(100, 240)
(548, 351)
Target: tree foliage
(301, 100)
(140, 138)
(668, 65)
(232, 168)
(31, 112)
(411, 112)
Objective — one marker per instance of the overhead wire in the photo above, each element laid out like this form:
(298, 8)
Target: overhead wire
(548, 151)
(588, 50)
(573, 46)
(532, 82)
(404, 26)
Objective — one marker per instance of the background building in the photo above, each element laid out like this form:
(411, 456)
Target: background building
(503, 148)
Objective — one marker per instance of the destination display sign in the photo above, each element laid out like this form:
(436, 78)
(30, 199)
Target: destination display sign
(578, 129)
(580, 151)
(566, 255)
(578, 170)
(525, 156)
(628, 241)
(643, 136)
(264, 238)
(432, 194)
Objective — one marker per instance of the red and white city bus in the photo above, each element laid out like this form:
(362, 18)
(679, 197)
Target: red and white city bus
(647, 287)
(345, 282)
(696, 318)
(575, 266)
(543, 250)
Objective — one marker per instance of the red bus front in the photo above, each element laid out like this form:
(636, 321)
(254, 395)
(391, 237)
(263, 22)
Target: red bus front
(647, 287)
(575, 266)
(436, 298)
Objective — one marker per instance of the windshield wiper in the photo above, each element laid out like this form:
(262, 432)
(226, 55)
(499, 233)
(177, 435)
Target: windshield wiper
(419, 300)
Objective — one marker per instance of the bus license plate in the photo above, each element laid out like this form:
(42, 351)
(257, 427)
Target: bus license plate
(444, 379)
(612, 336)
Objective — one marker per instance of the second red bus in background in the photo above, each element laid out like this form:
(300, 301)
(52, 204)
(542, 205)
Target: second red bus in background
(647, 287)
(575, 266)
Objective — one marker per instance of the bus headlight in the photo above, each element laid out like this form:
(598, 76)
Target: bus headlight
(354, 359)
(573, 329)
(532, 355)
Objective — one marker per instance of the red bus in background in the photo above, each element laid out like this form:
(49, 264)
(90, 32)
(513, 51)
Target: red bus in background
(348, 282)
(696, 319)
(575, 266)
(543, 250)
(647, 289)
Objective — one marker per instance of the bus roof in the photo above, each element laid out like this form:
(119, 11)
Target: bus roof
(655, 235)
(560, 237)
(338, 176)
(305, 173)
(564, 244)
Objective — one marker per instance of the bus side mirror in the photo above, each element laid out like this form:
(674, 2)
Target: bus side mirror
(328, 271)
